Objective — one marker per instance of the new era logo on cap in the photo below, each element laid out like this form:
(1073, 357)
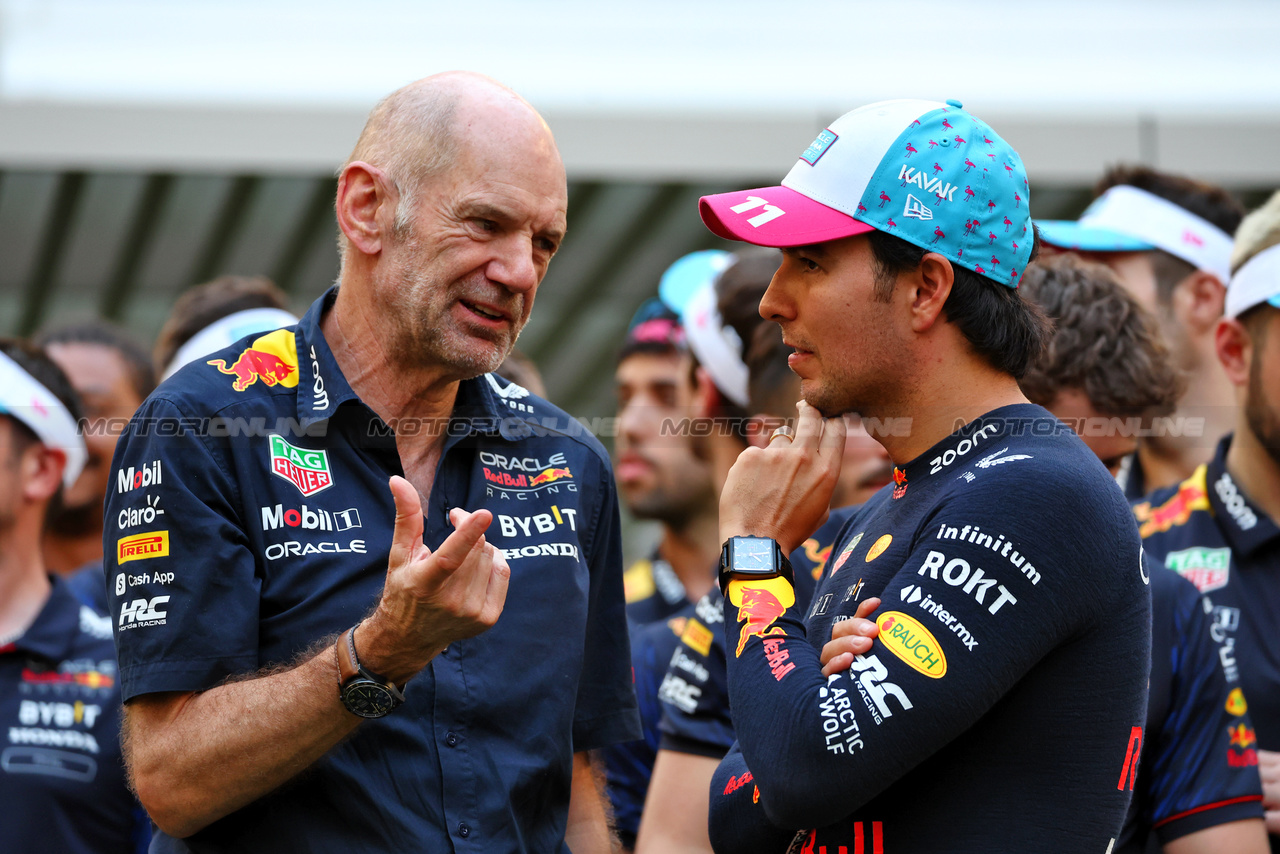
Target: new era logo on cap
(955, 186)
(916, 208)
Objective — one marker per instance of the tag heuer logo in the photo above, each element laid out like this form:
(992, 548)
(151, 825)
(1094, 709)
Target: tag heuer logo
(1207, 569)
(306, 469)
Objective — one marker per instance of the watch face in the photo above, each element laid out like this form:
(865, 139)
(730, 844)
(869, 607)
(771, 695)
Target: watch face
(367, 699)
(753, 554)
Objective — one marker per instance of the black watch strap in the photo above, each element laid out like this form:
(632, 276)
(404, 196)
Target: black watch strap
(352, 673)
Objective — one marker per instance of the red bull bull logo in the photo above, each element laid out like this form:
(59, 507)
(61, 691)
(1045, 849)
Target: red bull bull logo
(1191, 496)
(899, 483)
(549, 476)
(1242, 737)
(273, 358)
(760, 604)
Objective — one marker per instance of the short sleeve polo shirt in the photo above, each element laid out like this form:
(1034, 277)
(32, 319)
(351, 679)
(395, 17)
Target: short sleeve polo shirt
(249, 518)
(62, 779)
(1209, 531)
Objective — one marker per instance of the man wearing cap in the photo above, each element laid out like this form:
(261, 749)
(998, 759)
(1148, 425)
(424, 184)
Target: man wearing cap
(660, 478)
(1107, 361)
(1168, 238)
(62, 781)
(383, 609)
(1218, 527)
(1000, 706)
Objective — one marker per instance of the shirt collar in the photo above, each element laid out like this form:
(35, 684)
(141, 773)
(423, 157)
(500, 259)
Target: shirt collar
(484, 402)
(321, 386)
(54, 631)
(1246, 527)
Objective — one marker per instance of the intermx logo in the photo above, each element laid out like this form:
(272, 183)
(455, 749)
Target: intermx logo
(143, 612)
(928, 183)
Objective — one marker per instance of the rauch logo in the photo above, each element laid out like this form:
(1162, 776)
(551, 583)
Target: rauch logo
(304, 468)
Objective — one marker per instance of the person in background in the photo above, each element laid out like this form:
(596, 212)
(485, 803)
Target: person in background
(1106, 369)
(704, 430)
(112, 375)
(216, 314)
(62, 781)
(660, 478)
(1218, 528)
(1168, 239)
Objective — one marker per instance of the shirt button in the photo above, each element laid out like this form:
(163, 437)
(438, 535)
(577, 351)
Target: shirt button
(464, 830)
(452, 740)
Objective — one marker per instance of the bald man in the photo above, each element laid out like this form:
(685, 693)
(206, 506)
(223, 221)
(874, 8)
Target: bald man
(392, 619)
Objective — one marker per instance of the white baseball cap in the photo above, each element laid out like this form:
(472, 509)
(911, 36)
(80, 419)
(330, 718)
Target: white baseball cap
(1128, 219)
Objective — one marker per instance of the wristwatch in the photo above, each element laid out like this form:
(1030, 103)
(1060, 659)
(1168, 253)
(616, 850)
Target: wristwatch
(363, 693)
(748, 558)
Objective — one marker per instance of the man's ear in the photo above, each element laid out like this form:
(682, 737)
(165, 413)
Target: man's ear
(40, 470)
(706, 397)
(366, 204)
(1198, 302)
(930, 286)
(1234, 346)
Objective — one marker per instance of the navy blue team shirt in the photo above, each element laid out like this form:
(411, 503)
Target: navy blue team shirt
(1190, 778)
(62, 779)
(277, 520)
(1209, 531)
(1002, 705)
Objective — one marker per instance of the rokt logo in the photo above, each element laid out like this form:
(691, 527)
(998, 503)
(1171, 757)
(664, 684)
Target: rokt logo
(130, 479)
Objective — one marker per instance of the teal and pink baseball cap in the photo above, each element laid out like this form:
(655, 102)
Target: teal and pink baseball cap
(925, 171)
(1130, 219)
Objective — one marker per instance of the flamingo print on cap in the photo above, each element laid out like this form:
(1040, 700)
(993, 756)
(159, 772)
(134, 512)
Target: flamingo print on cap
(911, 149)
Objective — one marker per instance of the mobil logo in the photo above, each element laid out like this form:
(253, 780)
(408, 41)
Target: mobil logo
(129, 479)
(913, 643)
(309, 519)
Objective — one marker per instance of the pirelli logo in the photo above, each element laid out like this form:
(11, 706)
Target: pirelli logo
(142, 546)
